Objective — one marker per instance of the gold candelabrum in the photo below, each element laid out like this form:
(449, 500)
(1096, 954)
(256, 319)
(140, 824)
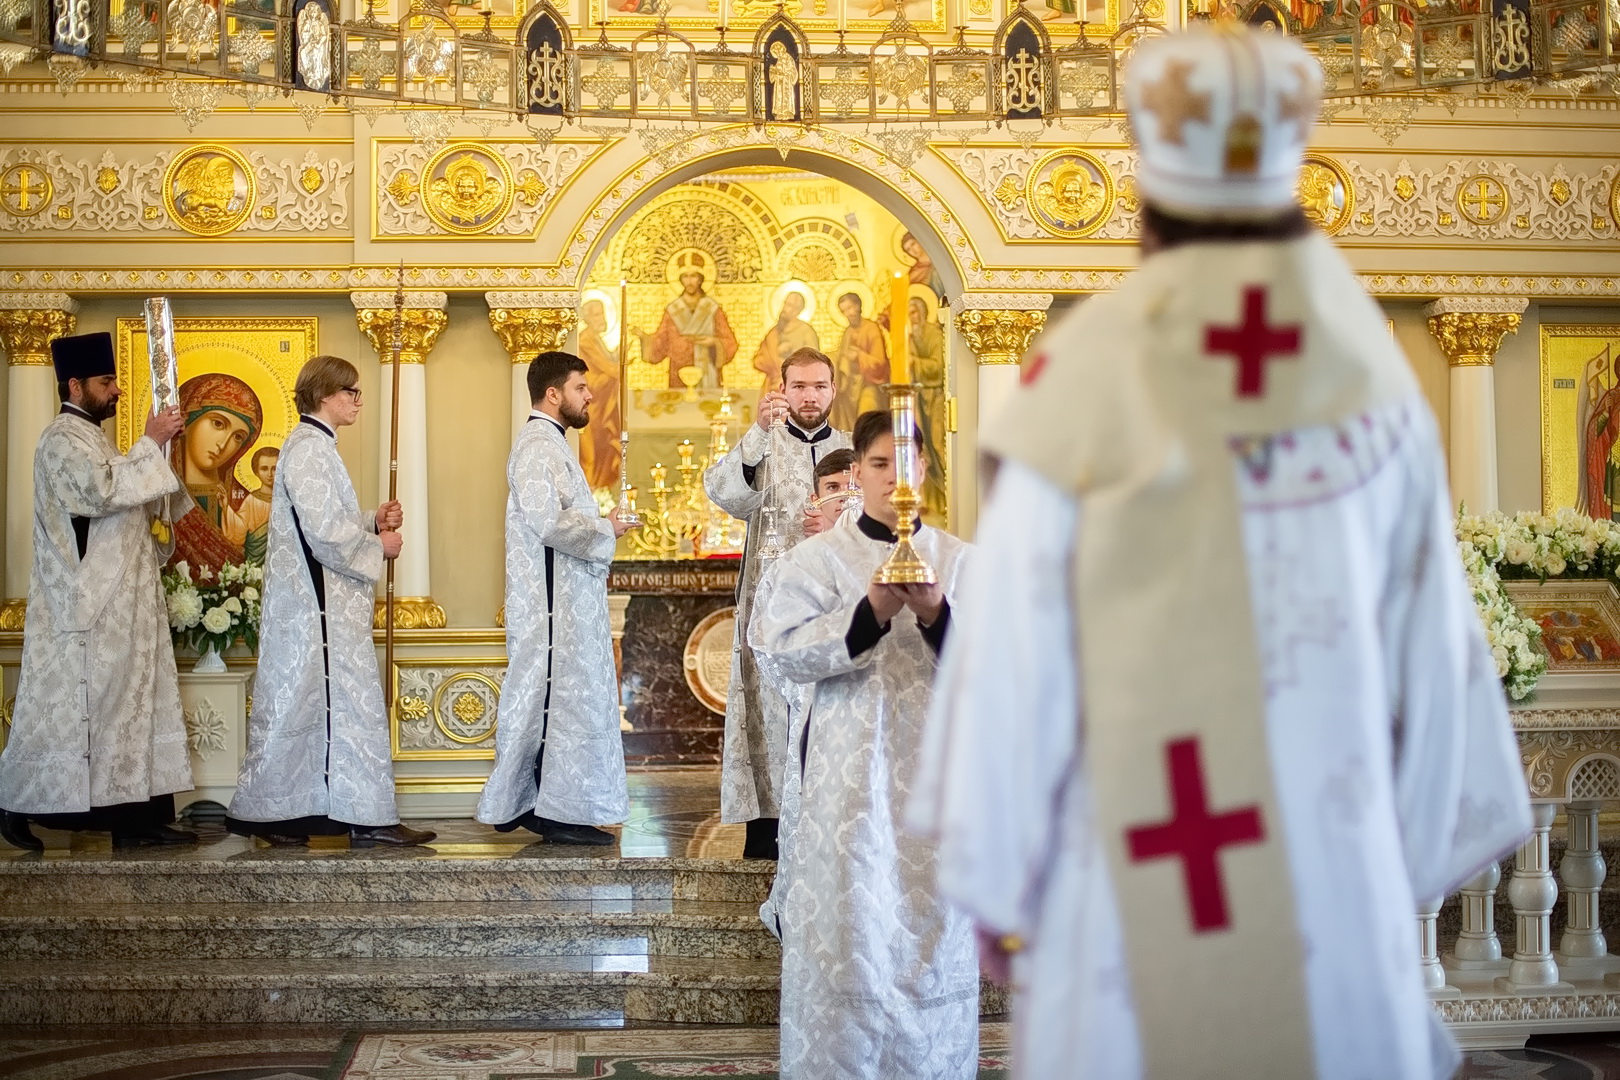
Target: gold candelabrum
(682, 523)
(904, 566)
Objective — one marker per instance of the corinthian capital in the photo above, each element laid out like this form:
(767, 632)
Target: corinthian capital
(529, 323)
(422, 320)
(999, 327)
(1470, 328)
(30, 321)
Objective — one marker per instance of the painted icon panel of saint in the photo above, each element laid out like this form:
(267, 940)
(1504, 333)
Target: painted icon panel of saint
(599, 348)
(795, 304)
(694, 331)
(224, 419)
(1598, 423)
(926, 340)
(861, 360)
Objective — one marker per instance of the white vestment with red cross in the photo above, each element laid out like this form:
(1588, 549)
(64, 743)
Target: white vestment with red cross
(1219, 712)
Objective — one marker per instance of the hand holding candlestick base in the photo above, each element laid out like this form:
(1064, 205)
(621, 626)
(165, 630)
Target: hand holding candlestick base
(904, 566)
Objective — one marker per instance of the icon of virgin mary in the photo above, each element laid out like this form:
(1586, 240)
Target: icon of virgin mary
(223, 421)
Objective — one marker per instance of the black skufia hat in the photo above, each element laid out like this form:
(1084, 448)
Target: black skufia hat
(83, 357)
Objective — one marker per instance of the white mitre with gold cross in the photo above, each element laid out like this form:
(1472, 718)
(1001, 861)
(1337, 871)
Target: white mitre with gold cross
(1138, 404)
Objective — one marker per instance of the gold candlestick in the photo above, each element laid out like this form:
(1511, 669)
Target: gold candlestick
(627, 494)
(904, 566)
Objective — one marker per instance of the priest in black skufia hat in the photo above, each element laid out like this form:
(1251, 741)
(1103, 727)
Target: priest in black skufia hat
(97, 739)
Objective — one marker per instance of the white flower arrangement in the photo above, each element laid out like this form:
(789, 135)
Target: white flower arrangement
(1528, 546)
(217, 610)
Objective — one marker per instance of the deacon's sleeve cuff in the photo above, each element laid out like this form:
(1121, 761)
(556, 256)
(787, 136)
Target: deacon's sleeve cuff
(864, 630)
(934, 633)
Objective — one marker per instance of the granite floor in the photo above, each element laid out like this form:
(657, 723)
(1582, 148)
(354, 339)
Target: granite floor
(674, 812)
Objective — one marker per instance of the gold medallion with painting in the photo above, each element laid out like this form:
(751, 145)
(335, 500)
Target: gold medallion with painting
(704, 292)
(236, 397)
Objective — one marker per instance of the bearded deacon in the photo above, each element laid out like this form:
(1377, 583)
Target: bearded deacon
(879, 975)
(319, 759)
(97, 741)
(767, 480)
(1224, 717)
(559, 758)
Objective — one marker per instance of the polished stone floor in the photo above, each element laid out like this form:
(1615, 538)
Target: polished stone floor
(674, 812)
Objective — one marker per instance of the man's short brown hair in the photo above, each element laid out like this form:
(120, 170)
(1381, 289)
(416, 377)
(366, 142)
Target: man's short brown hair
(805, 356)
(320, 378)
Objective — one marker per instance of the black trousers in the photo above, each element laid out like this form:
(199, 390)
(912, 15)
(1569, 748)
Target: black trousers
(759, 841)
(119, 819)
(314, 825)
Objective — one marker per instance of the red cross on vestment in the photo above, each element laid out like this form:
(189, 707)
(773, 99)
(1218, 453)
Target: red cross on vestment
(1253, 343)
(1195, 836)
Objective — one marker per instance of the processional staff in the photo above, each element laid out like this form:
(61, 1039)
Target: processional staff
(393, 487)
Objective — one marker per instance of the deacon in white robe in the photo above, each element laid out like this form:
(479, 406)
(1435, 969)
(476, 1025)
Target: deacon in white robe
(97, 740)
(1383, 771)
(559, 757)
(319, 758)
(879, 974)
(771, 467)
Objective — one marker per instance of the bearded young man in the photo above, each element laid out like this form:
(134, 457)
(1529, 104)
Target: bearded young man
(97, 741)
(767, 467)
(559, 760)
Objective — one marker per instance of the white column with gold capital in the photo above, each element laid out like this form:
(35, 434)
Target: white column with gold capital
(1470, 329)
(999, 328)
(528, 324)
(29, 322)
(423, 320)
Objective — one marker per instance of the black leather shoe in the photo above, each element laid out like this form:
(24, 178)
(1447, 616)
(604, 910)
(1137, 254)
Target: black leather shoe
(528, 820)
(14, 830)
(390, 835)
(156, 836)
(560, 832)
(275, 839)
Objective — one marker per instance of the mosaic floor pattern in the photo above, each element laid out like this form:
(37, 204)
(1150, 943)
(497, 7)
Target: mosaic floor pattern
(493, 1053)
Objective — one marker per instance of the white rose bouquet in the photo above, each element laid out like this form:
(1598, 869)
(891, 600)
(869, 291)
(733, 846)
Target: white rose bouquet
(1526, 546)
(214, 613)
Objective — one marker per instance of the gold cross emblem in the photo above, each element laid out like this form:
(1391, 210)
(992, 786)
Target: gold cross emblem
(1482, 200)
(1174, 102)
(25, 190)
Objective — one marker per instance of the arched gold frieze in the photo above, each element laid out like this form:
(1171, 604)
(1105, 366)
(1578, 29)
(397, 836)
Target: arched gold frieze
(208, 189)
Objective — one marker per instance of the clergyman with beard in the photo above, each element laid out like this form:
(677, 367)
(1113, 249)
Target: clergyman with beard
(97, 740)
(559, 762)
(768, 468)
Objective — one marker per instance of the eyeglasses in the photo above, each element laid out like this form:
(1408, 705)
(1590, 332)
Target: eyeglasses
(354, 392)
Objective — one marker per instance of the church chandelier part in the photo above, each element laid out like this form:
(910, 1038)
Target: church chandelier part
(1388, 56)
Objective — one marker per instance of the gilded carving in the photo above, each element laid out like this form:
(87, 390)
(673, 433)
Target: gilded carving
(1036, 194)
(527, 328)
(999, 336)
(25, 189)
(410, 612)
(208, 189)
(12, 614)
(466, 189)
(1470, 330)
(446, 709)
(1070, 193)
(1325, 193)
(1482, 200)
(28, 325)
(421, 323)
(117, 194)
(1472, 199)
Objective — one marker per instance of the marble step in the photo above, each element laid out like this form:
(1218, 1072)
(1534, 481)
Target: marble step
(370, 990)
(707, 928)
(418, 989)
(375, 875)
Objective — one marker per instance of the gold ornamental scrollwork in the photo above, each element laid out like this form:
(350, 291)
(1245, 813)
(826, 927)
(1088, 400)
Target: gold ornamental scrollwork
(209, 190)
(466, 188)
(411, 613)
(999, 335)
(1325, 193)
(1482, 200)
(12, 614)
(465, 706)
(1070, 193)
(526, 332)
